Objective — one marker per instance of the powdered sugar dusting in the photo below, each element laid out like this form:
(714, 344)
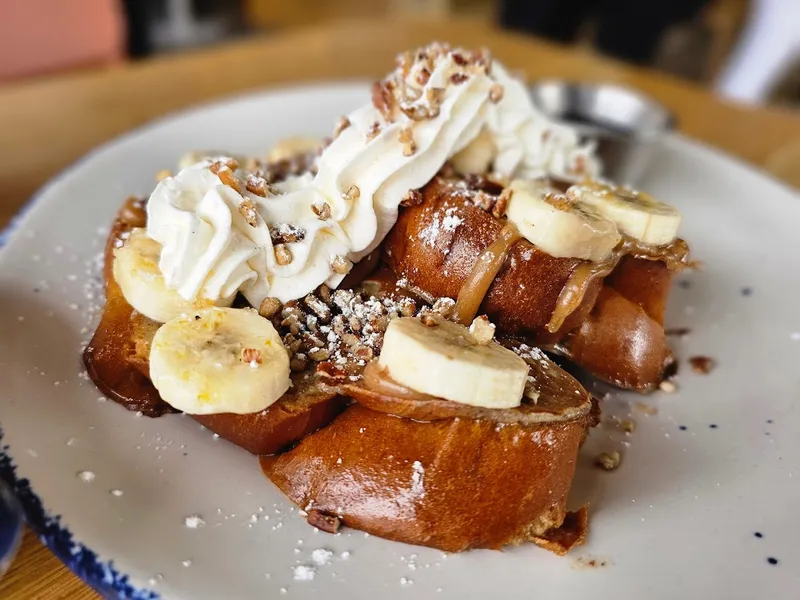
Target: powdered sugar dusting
(418, 480)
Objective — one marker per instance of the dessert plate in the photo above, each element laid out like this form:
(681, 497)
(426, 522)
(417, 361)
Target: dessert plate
(703, 505)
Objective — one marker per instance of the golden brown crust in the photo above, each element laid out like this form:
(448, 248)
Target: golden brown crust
(620, 343)
(435, 245)
(560, 398)
(644, 282)
(117, 360)
(114, 343)
(300, 412)
(452, 484)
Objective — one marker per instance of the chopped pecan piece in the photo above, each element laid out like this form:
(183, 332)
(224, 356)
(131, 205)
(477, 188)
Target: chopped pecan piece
(324, 522)
(412, 198)
(269, 307)
(286, 233)
(283, 256)
(251, 355)
(248, 210)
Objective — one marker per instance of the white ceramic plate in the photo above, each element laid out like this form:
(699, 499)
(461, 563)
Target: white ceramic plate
(708, 490)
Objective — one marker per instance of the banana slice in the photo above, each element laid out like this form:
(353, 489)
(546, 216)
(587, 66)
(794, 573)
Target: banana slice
(477, 156)
(219, 360)
(435, 356)
(289, 147)
(559, 226)
(137, 273)
(635, 213)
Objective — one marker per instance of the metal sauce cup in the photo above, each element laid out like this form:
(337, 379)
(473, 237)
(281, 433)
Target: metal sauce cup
(624, 123)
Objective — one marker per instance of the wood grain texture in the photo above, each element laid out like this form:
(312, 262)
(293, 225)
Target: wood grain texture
(48, 124)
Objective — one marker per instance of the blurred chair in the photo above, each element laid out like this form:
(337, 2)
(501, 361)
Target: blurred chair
(39, 36)
(769, 47)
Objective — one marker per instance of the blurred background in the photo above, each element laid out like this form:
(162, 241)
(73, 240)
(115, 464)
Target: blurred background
(745, 50)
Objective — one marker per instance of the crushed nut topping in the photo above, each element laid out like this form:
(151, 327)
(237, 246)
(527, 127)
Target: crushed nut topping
(322, 210)
(269, 307)
(496, 93)
(340, 265)
(342, 124)
(435, 96)
(283, 256)
(422, 76)
(417, 112)
(406, 138)
(227, 177)
(382, 99)
(444, 306)
(323, 522)
(248, 210)
(352, 194)
(286, 233)
(608, 460)
(482, 330)
(257, 185)
(298, 362)
(458, 78)
(412, 198)
(373, 131)
(627, 425)
(428, 320)
(501, 204)
(251, 355)
(702, 364)
(223, 163)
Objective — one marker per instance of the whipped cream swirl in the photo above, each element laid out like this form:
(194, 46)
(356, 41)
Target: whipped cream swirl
(220, 237)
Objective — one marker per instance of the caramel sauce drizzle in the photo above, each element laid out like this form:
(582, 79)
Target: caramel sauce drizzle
(674, 254)
(474, 289)
(377, 379)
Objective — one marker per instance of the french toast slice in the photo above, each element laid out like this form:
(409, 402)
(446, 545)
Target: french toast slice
(117, 360)
(435, 245)
(615, 333)
(446, 475)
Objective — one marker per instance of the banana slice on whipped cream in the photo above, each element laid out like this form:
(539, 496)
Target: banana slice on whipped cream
(219, 360)
(434, 356)
(138, 275)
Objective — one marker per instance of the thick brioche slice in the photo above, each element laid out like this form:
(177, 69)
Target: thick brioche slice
(452, 484)
(449, 476)
(643, 282)
(117, 360)
(620, 343)
(114, 341)
(435, 245)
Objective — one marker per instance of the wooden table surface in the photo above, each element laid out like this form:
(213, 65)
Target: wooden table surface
(47, 124)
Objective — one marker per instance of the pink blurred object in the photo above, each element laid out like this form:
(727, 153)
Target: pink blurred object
(39, 36)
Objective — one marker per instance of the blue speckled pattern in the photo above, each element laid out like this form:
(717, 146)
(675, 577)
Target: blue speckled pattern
(99, 574)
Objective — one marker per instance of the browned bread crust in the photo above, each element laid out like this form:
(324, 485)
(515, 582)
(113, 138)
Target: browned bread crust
(432, 250)
(560, 398)
(616, 335)
(620, 343)
(117, 360)
(643, 282)
(113, 344)
(452, 484)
